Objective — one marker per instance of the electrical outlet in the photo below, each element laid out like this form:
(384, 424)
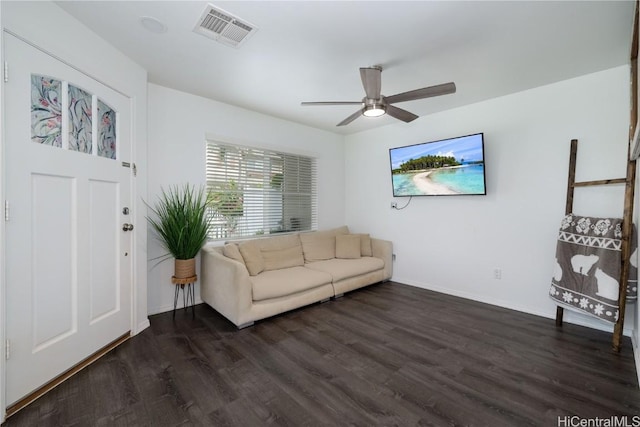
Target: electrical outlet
(394, 205)
(497, 274)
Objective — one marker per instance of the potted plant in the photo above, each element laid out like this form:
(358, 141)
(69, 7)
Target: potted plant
(181, 225)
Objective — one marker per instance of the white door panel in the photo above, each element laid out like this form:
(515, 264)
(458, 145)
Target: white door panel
(52, 259)
(68, 260)
(104, 234)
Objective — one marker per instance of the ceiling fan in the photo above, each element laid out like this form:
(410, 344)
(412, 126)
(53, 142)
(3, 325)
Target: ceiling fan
(374, 104)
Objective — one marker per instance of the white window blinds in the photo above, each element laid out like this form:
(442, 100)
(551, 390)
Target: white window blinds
(255, 191)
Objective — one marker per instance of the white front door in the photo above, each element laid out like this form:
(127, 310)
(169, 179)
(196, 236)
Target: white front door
(68, 260)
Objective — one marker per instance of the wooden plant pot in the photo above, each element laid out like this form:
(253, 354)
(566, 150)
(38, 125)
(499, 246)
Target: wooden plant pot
(184, 268)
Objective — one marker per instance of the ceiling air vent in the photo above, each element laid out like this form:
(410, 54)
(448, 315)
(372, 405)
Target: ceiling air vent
(224, 27)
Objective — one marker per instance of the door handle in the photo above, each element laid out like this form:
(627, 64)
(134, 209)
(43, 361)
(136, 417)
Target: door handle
(127, 227)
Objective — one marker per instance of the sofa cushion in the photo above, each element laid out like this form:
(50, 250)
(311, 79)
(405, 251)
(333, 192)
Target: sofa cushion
(287, 281)
(252, 257)
(320, 245)
(345, 268)
(283, 258)
(277, 242)
(230, 250)
(348, 246)
(365, 245)
(271, 253)
(281, 252)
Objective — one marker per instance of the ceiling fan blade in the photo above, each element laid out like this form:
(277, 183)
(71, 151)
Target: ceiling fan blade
(401, 114)
(306, 104)
(371, 80)
(350, 118)
(425, 92)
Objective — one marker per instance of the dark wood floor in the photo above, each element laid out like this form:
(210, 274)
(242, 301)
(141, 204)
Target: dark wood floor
(389, 354)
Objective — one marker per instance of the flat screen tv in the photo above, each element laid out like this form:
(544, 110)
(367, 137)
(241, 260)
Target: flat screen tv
(448, 167)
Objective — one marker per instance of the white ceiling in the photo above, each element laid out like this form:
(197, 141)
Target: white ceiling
(311, 50)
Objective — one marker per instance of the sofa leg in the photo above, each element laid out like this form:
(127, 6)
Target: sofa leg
(338, 296)
(245, 325)
(324, 300)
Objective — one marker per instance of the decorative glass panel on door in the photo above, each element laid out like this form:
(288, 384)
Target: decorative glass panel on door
(80, 120)
(46, 110)
(106, 131)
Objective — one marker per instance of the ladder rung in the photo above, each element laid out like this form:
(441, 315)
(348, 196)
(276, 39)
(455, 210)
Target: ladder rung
(600, 182)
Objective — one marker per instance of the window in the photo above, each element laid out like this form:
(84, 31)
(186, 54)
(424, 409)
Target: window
(254, 191)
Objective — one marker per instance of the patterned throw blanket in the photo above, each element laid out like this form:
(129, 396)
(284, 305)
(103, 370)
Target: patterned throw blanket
(588, 264)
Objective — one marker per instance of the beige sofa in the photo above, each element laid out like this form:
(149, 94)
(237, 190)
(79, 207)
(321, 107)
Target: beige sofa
(254, 279)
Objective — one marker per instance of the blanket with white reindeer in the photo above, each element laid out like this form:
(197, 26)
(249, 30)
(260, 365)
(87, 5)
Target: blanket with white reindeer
(588, 265)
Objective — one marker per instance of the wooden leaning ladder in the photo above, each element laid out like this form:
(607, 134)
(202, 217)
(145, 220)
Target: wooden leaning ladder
(629, 181)
(627, 226)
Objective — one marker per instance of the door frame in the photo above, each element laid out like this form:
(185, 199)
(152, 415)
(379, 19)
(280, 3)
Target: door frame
(3, 362)
(137, 99)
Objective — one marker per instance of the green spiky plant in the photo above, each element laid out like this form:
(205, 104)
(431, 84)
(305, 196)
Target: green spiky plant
(180, 221)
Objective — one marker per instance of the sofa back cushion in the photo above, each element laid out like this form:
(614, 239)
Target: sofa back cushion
(348, 246)
(321, 245)
(281, 252)
(365, 245)
(272, 253)
(230, 250)
(252, 257)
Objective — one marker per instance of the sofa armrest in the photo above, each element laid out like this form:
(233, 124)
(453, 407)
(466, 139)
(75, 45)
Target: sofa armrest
(225, 285)
(383, 249)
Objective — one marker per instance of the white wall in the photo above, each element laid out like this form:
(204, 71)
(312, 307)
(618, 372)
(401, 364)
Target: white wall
(453, 244)
(178, 125)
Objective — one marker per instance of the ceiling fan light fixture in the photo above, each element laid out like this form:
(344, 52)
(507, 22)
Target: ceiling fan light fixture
(374, 110)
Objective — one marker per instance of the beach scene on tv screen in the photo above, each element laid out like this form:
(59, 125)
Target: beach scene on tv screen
(448, 167)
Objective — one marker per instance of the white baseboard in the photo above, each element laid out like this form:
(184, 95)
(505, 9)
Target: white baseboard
(570, 317)
(165, 308)
(141, 327)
